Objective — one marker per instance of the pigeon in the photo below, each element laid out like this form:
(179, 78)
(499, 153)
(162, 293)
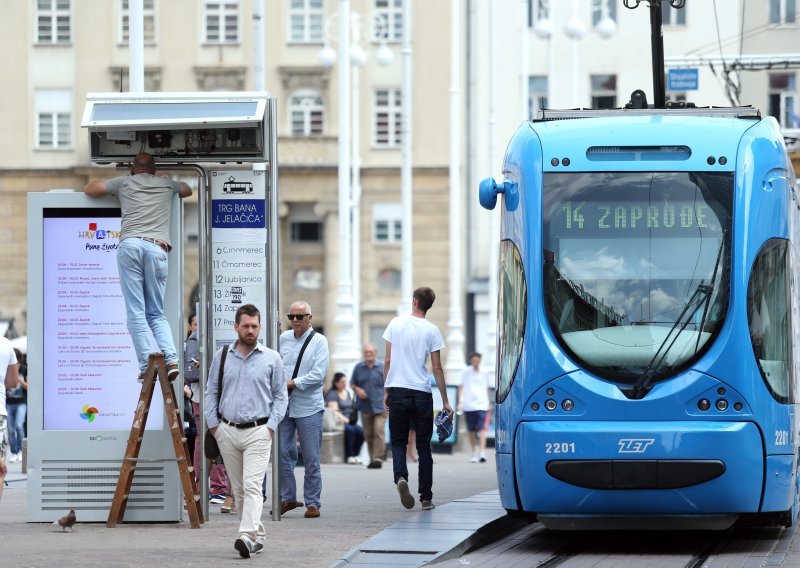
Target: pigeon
(66, 521)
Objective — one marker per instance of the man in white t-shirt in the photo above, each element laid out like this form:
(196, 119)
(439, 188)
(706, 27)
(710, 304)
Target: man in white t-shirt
(473, 401)
(10, 368)
(410, 340)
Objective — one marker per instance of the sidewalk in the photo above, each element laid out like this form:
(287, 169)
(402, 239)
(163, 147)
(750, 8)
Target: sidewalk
(357, 504)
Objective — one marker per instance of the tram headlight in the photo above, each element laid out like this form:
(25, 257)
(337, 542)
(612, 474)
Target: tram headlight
(550, 404)
(704, 404)
(722, 405)
(567, 405)
(737, 406)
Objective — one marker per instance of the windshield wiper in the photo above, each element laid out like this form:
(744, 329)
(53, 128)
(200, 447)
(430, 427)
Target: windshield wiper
(700, 294)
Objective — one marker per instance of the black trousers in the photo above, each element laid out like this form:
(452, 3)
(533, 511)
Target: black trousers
(408, 407)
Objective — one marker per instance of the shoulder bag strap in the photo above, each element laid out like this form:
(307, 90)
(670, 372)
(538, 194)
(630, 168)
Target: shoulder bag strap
(300, 356)
(221, 368)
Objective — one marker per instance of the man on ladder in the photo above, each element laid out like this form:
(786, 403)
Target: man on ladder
(245, 400)
(146, 201)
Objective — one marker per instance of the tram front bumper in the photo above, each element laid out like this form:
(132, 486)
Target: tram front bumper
(674, 468)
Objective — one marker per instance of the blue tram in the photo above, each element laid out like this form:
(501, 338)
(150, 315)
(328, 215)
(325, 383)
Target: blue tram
(647, 314)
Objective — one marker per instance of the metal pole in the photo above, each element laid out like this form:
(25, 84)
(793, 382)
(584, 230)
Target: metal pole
(455, 336)
(274, 283)
(204, 327)
(356, 199)
(407, 198)
(494, 216)
(524, 71)
(258, 45)
(136, 46)
(345, 352)
(657, 50)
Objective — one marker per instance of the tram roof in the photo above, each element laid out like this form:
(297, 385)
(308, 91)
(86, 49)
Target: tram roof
(746, 112)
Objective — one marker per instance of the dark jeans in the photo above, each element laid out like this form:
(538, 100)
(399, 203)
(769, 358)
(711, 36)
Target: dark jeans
(353, 440)
(415, 408)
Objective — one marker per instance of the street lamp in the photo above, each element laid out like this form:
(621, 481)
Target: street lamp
(575, 29)
(348, 317)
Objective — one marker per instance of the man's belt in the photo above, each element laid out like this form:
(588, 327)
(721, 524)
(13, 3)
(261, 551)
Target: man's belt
(164, 246)
(245, 425)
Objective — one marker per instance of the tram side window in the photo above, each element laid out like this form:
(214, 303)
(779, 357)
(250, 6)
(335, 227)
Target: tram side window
(769, 317)
(512, 312)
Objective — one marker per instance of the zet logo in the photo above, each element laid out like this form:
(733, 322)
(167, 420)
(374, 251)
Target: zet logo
(89, 412)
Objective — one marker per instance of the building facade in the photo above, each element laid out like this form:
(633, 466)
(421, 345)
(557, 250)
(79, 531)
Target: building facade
(515, 57)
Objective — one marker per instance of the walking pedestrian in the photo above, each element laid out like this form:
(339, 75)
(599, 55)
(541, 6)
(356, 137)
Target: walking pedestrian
(145, 197)
(9, 366)
(410, 341)
(473, 400)
(17, 407)
(305, 363)
(243, 413)
(367, 382)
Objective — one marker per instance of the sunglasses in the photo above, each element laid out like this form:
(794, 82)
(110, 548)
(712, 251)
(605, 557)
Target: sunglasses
(291, 317)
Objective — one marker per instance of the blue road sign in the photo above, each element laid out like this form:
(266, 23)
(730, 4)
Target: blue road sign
(682, 79)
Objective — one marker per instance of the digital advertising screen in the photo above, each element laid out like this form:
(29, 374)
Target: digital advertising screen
(90, 367)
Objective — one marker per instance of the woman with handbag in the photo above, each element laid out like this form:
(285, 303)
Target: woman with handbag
(341, 401)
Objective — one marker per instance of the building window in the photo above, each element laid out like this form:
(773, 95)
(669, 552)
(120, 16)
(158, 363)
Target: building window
(387, 222)
(597, 11)
(305, 231)
(389, 279)
(782, 97)
(390, 15)
(672, 16)
(783, 12)
(388, 118)
(306, 113)
(149, 13)
(120, 77)
(222, 21)
(53, 119)
(604, 91)
(52, 21)
(537, 94)
(305, 21)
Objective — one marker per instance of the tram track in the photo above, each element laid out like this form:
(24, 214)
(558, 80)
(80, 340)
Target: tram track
(537, 546)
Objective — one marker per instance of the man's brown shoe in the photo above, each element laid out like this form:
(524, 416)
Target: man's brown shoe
(287, 506)
(311, 512)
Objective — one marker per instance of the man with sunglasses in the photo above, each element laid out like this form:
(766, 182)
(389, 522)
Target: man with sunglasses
(306, 407)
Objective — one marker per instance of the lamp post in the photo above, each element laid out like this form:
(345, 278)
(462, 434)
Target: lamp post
(406, 189)
(346, 346)
(455, 324)
(575, 29)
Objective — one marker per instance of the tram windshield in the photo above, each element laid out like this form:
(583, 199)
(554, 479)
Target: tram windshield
(636, 268)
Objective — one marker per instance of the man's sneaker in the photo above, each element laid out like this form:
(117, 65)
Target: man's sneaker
(405, 494)
(173, 371)
(246, 547)
(375, 464)
(12, 458)
(217, 499)
(428, 505)
(473, 459)
(483, 459)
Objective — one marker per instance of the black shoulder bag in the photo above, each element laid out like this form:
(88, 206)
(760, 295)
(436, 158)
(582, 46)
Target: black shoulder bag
(300, 357)
(209, 441)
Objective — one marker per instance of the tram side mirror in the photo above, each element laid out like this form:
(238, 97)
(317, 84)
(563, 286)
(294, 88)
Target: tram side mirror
(488, 191)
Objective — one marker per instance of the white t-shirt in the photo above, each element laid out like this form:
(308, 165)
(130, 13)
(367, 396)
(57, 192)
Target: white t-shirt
(7, 357)
(474, 390)
(413, 339)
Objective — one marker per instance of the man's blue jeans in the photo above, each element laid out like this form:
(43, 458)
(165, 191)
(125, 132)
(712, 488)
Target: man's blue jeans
(408, 406)
(143, 269)
(309, 428)
(16, 425)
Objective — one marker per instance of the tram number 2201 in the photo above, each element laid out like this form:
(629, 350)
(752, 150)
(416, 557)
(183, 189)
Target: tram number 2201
(559, 448)
(781, 437)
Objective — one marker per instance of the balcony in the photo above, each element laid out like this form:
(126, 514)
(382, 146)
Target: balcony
(306, 151)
